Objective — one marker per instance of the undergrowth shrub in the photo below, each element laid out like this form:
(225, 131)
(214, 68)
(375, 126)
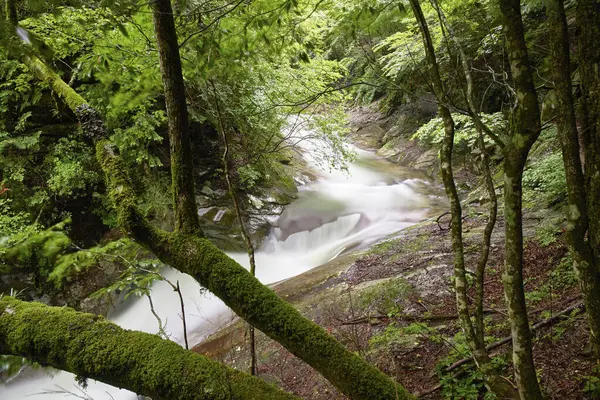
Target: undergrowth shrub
(469, 385)
(545, 179)
(384, 297)
(465, 135)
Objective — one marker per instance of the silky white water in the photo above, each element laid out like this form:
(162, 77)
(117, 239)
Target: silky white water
(337, 212)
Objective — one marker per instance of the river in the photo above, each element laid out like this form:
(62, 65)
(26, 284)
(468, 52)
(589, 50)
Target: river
(338, 212)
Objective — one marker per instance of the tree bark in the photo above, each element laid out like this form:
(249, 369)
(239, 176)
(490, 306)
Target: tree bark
(182, 166)
(486, 242)
(524, 130)
(93, 347)
(495, 382)
(588, 19)
(578, 215)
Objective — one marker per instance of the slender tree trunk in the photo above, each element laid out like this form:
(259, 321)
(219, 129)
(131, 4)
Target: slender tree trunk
(469, 96)
(577, 214)
(588, 20)
(486, 242)
(512, 278)
(182, 167)
(524, 130)
(92, 347)
(487, 176)
(11, 12)
(480, 355)
(460, 282)
(240, 217)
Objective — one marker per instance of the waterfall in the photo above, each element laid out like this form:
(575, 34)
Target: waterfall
(338, 212)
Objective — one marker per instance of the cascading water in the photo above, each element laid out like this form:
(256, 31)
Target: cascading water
(338, 212)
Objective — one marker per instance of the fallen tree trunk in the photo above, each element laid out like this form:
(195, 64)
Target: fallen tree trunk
(93, 347)
(407, 317)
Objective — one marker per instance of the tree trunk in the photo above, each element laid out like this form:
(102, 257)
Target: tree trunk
(524, 130)
(486, 242)
(495, 382)
(460, 281)
(577, 214)
(588, 20)
(487, 177)
(182, 167)
(240, 218)
(92, 347)
(469, 95)
(11, 12)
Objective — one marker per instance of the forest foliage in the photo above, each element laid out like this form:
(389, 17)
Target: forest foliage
(267, 61)
(252, 68)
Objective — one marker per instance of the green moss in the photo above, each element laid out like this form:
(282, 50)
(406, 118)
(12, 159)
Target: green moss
(46, 74)
(385, 247)
(394, 338)
(261, 307)
(90, 346)
(384, 297)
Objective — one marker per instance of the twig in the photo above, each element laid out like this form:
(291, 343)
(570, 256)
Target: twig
(579, 307)
(175, 288)
(185, 338)
(549, 321)
(161, 326)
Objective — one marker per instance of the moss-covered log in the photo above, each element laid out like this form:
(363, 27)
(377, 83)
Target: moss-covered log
(93, 347)
(60, 87)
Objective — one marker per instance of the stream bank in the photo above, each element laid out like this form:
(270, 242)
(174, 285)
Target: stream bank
(338, 212)
(394, 304)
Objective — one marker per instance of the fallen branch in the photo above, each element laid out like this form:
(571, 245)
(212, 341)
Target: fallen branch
(449, 222)
(364, 320)
(546, 322)
(438, 221)
(579, 307)
(407, 317)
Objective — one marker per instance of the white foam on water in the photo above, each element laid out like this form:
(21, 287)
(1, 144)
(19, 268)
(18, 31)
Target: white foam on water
(340, 211)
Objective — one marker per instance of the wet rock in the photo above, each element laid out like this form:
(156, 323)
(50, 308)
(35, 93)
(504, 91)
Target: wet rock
(207, 191)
